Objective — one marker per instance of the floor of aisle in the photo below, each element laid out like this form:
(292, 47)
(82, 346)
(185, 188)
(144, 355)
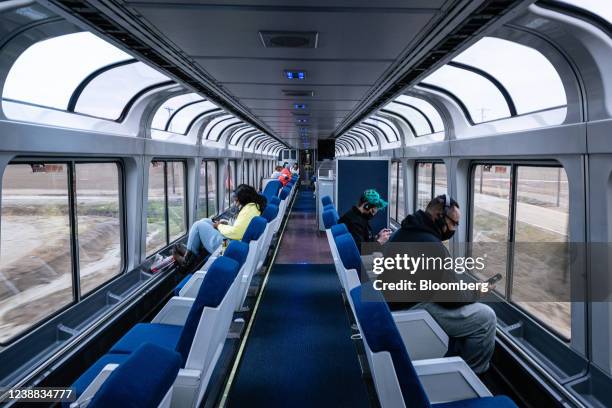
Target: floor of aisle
(299, 352)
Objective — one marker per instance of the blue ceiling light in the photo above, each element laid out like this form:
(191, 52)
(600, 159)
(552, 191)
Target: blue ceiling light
(299, 106)
(302, 120)
(295, 74)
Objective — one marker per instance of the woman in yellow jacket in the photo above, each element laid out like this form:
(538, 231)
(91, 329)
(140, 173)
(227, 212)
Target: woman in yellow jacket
(210, 235)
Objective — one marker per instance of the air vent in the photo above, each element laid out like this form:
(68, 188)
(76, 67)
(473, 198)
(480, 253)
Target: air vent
(297, 92)
(289, 39)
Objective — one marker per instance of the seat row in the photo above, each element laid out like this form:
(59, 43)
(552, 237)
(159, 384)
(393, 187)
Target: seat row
(191, 328)
(405, 349)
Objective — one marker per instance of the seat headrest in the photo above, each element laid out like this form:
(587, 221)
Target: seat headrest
(140, 381)
(284, 192)
(329, 207)
(270, 212)
(381, 334)
(255, 229)
(339, 229)
(275, 200)
(326, 200)
(347, 249)
(215, 285)
(330, 217)
(272, 189)
(238, 251)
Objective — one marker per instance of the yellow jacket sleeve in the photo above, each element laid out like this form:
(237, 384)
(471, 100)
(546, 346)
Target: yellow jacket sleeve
(236, 231)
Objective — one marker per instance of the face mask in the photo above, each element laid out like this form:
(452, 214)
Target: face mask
(448, 234)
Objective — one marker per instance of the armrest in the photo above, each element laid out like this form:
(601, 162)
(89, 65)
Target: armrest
(211, 259)
(421, 334)
(449, 379)
(175, 311)
(85, 398)
(192, 287)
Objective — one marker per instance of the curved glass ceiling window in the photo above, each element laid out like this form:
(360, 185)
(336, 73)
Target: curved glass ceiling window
(170, 107)
(239, 135)
(425, 109)
(413, 116)
(109, 92)
(521, 70)
(602, 8)
(49, 71)
(183, 118)
(482, 99)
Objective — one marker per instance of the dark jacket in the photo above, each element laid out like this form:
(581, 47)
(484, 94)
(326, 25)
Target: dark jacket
(358, 225)
(420, 229)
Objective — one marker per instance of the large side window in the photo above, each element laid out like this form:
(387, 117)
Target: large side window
(525, 209)
(230, 181)
(393, 191)
(401, 206)
(99, 223)
(430, 182)
(47, 208)
(208, 189)
(166, 219)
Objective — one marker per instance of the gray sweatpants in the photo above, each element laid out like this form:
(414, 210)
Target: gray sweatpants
(472, 328)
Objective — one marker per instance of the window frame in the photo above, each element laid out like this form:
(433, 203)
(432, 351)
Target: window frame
(396, 163)
(71, 189)
(166, 210)
(204, 164)
(432, 190)
(511, 232)
(234, 179)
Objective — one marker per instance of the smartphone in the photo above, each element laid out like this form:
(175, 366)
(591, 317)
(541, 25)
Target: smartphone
(494, 279)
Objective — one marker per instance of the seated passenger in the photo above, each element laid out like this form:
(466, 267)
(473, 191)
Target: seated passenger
(469, 324)
(295, 169)
(209, 235)
(282, 177)
(357, 219)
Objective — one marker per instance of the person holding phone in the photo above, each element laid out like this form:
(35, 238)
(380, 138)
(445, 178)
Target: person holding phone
(208, 234)
(469, 323)
(357, 219)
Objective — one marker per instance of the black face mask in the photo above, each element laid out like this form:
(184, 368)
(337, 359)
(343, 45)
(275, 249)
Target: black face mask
(368, 215)
(445, 232)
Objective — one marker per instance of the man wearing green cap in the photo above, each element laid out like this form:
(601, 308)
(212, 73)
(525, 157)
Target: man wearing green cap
(357, 219)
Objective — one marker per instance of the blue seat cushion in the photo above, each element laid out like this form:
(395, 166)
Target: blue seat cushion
(330, 218)
(88, 376)
(275, 201)
(255, 229)
(272, 189)
(140, 381)
(215, 285)
(238, 251)
(164, 335)
(284, 193)
(270, 212)
(339, 229)
(500, 401)
(381, 334)
(182, 284)
(347, 249)
(326, 200)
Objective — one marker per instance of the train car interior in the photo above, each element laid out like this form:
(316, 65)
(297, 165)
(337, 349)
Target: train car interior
(198, 200)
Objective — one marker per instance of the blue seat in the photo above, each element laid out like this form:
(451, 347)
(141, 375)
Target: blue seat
(88, 376)
(381, 335)
(326, 200)
(330, 218)
(140, 380)
(339, 229)
(284, 193)
(238, 251)
(181, 284)
(255, 229)
(270, 212)
(272, 189)
(329, 207)
(215, 285)
(275, 201)
(347, 249)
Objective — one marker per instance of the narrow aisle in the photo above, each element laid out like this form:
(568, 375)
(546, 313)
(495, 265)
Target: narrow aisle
(299, 352)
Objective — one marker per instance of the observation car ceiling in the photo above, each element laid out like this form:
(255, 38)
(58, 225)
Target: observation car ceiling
(493, 79)
(342, 78)
(601, 8)
(83, 74)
